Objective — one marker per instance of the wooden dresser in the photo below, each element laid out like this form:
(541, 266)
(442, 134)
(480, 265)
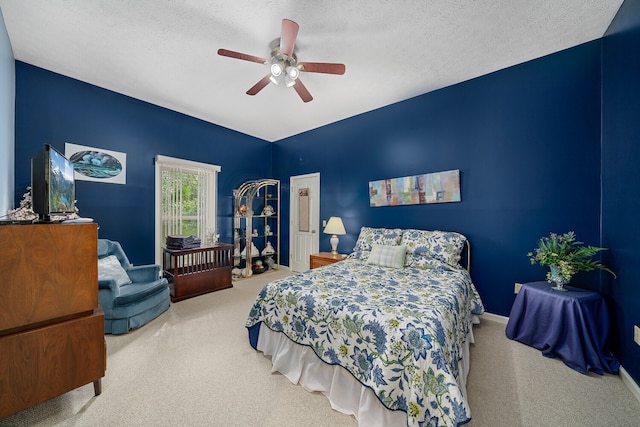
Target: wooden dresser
(51, 327)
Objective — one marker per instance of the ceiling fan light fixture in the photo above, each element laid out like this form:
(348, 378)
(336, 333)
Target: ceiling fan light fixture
(276, 69)
(292, 72)
(288, 81)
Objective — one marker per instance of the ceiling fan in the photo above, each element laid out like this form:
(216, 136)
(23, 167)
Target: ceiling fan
(284, 65)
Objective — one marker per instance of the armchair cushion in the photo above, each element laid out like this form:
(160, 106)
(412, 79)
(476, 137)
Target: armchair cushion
(110, 268)
(136, 292)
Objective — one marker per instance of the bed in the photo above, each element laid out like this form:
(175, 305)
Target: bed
(383, 334)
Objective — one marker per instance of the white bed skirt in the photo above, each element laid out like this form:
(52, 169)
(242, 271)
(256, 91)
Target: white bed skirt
(301, 366)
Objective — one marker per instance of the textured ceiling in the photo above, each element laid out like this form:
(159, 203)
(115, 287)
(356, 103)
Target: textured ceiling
(164, 51)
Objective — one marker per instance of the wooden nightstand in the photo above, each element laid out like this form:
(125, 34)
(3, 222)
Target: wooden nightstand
(324, 258)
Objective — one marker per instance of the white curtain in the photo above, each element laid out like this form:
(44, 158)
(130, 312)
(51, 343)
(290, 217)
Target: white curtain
(186, 194)
(171, 200)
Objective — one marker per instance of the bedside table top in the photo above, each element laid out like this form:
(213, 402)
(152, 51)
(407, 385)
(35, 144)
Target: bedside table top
(328, 255)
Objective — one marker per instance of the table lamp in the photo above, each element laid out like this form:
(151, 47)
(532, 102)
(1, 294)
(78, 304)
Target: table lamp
(334, 227)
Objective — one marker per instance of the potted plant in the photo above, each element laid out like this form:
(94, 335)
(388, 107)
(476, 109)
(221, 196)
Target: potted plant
(565, 256)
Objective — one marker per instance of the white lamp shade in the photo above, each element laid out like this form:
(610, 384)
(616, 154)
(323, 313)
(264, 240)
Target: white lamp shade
(335, 226)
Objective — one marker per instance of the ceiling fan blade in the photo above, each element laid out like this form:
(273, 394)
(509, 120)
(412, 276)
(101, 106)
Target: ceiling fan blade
(243, 56)
(302, 91)
(259, 86)
(322, 67)
(288, 36)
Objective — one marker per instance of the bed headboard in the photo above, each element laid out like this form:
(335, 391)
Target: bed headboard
(465, 256)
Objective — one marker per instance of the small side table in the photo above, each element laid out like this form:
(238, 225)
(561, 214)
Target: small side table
(324, 258)
(197, 271)
(571, 325)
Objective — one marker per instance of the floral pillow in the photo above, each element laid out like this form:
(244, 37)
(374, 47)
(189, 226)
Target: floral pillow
(445, 246)
(361, 255)
(377, 236)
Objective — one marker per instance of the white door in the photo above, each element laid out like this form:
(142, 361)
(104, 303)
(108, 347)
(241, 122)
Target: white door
(304, 228)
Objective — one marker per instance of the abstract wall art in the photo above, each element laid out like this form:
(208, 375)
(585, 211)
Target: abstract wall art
(437, 187)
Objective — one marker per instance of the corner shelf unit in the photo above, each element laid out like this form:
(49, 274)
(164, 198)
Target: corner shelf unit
(256, 226)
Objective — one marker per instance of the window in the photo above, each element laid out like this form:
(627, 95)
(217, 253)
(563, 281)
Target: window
(186, 194)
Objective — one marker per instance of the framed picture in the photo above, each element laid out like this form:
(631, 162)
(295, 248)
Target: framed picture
(437, 187)
(97, 164)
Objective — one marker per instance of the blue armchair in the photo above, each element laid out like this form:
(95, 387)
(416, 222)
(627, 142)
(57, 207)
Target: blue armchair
(129, 296)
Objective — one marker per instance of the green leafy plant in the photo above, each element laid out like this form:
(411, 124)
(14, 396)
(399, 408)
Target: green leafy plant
(567, 254)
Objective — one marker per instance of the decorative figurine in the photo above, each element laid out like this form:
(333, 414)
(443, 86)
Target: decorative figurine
(258, 267)
(268, 250)
(270, 262)
(211, 238)
(254, 251)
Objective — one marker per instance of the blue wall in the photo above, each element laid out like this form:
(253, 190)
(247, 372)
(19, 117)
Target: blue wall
(526, 140)
(54, 109)
(620, 178)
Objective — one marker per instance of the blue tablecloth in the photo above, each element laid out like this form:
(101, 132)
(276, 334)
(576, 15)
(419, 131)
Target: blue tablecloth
(571, 325)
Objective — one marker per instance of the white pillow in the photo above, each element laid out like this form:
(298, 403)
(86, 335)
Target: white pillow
(387, 256)
(110, 268)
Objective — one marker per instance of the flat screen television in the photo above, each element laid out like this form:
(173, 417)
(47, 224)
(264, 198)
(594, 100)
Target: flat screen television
(52, 184)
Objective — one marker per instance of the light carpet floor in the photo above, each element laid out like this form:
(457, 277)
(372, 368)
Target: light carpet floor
(193, 366)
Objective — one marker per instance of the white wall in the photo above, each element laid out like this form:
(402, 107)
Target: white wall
(7, 122)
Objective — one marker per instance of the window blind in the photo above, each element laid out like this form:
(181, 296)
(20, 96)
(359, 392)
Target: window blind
(186, 193)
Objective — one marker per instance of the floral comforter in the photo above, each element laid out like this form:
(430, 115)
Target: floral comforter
(398, 331)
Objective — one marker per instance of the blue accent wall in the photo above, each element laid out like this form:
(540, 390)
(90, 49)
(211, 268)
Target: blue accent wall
(526, 141)
(54, 109)
(620, 177)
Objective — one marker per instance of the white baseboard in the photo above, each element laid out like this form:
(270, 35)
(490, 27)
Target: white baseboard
(494, 317)
(630, 383)
(624, 375)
